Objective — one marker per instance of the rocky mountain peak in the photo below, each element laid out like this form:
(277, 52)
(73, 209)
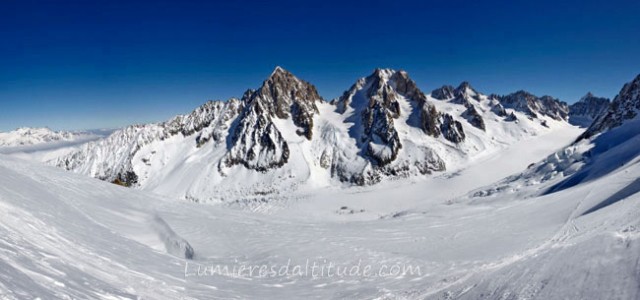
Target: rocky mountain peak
(279, 70)
(533, 106)
(587, 109)
(625, 106)
(283, 95)
(383, 74)
(463, 94)
(587, 96)
(445, 92)
(465, 88)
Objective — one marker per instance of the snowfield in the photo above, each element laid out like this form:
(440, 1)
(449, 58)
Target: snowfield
(66, 236)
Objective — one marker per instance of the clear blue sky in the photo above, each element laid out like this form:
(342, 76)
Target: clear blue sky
(91, 64)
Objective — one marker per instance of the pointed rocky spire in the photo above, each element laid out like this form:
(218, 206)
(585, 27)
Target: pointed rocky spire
(284, 95)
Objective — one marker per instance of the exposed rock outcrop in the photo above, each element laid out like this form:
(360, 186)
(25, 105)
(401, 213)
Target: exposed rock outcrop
(624, 107)
(532, 105)
(474, 118)
(587, 109)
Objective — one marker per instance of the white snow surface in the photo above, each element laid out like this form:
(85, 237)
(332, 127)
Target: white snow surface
(67, 236)
(191, 166)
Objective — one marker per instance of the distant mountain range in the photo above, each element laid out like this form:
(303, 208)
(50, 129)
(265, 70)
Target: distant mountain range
(608, 144)
(284, 135)
(587, 109)
(36, 136)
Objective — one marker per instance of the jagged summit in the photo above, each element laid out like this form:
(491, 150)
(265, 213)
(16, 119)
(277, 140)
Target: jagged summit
(465, 88)
(278, 69)
(282, 133)
(587, 96)
(533, 105)
(463, 94)
(624, 107)
(256, 142)
(587, 109)
(283, 95)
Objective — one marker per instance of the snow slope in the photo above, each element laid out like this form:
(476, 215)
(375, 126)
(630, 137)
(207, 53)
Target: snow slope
(567, 227)
(283, 137)
(64, 235)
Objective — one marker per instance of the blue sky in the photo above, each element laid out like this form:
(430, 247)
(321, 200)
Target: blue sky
(93, 64)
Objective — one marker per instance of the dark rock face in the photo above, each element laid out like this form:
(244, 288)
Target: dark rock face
(532, 106)
(285, 95)
(474, 118)
(377, 103)
(451, 129)
(407, 87)
(499, 110)
(587, 109)
(382, 140)
(435, 123)
(430, 120)
(511, 117)
(445, 92)
(256, 143)
(128, 179)
(624, 107)
(554, 108)
(463, 94)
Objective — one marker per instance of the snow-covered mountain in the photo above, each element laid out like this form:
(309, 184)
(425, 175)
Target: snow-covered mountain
(587, 109)
(534, 106)
(284, 136)
(566, 228)
(26, 136)
(623, 108)
(607, 145)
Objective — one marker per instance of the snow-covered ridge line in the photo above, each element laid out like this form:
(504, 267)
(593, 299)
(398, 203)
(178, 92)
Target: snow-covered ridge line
(284, 134)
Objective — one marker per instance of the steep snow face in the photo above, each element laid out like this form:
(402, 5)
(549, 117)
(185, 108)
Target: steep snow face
(533, 106)
(587, 109)
(282, 137)
(624, 107)
(36, 136)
